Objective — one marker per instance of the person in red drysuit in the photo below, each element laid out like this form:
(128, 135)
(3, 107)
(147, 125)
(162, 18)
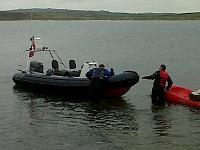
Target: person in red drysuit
(160, 78)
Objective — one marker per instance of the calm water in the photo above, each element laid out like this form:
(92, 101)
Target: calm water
(32, 121)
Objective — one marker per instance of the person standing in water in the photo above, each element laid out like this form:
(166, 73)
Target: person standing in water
(160, 78)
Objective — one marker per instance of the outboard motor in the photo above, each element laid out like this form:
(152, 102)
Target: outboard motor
(36, 66)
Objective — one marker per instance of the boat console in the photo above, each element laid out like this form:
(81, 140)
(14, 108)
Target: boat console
(36, 66)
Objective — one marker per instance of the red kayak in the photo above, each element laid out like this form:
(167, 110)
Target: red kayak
(180, 95)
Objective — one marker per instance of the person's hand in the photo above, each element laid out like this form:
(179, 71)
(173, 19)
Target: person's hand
(167, 89)
(112, 71)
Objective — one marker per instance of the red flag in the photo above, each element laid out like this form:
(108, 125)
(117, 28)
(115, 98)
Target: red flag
(31, 53)
(33, 47)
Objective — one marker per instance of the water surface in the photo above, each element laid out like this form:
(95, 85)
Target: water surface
(32, 121)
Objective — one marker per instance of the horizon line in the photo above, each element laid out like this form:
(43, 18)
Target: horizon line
(103, 10)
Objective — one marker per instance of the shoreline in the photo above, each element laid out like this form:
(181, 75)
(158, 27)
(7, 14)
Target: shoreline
(105, 20)
(83, 15)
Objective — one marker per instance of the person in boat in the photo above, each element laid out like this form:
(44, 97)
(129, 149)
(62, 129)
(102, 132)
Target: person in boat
(99, 72)
(160, 78)
(98, 78)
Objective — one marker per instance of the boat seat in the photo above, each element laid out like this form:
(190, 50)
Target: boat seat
(55, 70)
(72, 64)
(54, 65)
(63, 73)
(75, 73)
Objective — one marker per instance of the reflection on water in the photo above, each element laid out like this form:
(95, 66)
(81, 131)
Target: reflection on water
(113, 114)
(161, 121)
(104, 112)
(111, 119)
(33, 110)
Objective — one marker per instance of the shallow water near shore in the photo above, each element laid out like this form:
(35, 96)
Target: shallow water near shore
(30, 120)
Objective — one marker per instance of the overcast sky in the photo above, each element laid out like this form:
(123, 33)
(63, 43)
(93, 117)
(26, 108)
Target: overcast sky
(110, 5)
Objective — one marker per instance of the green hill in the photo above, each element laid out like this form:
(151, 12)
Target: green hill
(66, 14)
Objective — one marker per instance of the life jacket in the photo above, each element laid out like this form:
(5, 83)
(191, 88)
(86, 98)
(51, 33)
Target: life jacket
(164, 76)
(98, 73)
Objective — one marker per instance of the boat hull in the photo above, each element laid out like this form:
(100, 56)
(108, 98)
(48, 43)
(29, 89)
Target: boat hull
(180, 95)
(116, 86)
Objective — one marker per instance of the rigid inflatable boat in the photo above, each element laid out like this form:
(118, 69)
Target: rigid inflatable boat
(181, 95)
(116, 85)
(72, 81)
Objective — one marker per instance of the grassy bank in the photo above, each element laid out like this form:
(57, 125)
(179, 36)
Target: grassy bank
(65, 14)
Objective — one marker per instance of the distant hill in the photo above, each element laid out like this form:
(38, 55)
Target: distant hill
(66, 14)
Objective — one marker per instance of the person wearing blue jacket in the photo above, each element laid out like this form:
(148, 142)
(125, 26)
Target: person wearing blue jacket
(99, 72)
(98, 77)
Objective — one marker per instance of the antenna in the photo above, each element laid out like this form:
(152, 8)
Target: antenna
(30, 19)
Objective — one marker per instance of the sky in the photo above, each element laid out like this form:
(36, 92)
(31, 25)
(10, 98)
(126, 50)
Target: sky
(133, 6)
